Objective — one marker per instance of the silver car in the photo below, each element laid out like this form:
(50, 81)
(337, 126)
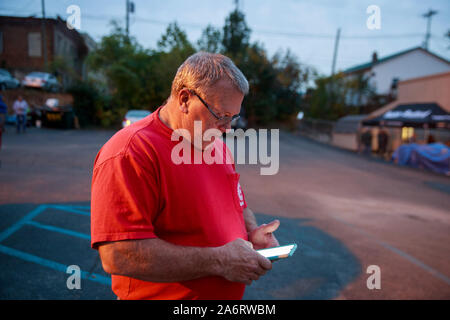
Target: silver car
(134, 115)
(42, 80)
(7, 81)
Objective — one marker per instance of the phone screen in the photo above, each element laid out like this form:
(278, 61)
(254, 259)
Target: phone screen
(278, 252)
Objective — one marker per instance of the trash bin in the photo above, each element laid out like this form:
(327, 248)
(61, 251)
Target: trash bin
(62, 119)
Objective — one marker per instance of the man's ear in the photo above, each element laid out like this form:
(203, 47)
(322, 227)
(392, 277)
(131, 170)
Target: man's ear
(183, 100)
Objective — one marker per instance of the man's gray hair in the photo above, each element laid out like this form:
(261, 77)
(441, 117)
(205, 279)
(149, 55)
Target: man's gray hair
(203, 69)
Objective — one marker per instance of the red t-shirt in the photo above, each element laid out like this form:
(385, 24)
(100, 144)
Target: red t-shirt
(139, 193)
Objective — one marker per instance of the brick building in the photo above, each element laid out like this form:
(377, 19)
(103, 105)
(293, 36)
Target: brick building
(22, 47)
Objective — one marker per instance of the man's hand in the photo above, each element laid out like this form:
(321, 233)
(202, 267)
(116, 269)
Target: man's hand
(238, 262)
(262, 237)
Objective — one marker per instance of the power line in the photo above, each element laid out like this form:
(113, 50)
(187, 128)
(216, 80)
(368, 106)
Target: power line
(287, 34)
(265, 31)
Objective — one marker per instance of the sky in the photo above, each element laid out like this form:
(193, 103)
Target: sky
(307, 28)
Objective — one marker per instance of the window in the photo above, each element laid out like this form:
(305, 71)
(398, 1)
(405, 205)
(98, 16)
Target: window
(34, 44)
(407, 133)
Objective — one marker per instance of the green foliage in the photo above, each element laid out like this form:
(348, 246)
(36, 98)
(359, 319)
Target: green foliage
(87, 103)
(338, 96)
(175, 39)
(141, 78)
(327, 101)
(61, 66)
(138, 78)
(236, 34)
(211, 40)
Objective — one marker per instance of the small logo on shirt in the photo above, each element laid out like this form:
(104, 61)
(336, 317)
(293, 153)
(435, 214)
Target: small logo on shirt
(240, 195)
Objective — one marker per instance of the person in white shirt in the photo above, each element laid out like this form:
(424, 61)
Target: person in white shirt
(20, 107)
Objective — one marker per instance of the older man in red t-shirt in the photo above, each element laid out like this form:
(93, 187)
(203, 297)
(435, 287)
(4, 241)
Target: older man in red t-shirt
(166, 230)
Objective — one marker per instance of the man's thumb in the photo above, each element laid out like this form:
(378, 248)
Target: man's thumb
(271, 227)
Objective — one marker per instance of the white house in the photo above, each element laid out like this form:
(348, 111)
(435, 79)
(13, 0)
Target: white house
(384, 73)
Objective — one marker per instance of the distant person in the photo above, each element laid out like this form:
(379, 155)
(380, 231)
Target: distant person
(383, 139)
(412, 138)
(366, 141)
(20, 107)
(3, 113)
(358, 141)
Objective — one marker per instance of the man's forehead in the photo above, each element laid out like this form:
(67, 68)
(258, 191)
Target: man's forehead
(224, 91)
(222, 87)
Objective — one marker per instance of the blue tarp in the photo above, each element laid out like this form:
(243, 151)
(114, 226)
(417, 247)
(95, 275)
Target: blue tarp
(433, 156)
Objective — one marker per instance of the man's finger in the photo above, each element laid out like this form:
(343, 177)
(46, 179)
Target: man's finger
(260, 271)
(271, 227)
(265, 263)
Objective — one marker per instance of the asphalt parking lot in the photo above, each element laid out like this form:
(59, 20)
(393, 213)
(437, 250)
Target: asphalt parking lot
(345, 212)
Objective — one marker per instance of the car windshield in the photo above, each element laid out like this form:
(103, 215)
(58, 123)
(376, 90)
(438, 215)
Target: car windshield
(41, 75)
(4, 73)
(138, 113)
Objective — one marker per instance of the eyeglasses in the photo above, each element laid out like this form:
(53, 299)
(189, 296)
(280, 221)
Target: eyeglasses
(220, 120)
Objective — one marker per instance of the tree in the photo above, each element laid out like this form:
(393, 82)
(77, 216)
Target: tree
(360, 87)
(142, 78)
(174, 39)
(292, 78)
(123, 62)
(260, 103)
(210, 40)
(174, 48)
(236, 34)
(327, 101)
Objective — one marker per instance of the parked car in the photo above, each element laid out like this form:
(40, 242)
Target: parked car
(42, 80)
(134, 115)
(7, 81)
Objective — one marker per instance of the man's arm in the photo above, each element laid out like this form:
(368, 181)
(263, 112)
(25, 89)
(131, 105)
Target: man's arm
(159, 261)
(250, 220)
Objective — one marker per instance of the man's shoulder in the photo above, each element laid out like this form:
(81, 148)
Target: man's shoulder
(135, 140)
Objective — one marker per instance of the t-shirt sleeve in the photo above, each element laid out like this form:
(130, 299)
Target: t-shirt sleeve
(124, 201)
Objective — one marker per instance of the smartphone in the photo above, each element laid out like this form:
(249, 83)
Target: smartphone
(280, 252)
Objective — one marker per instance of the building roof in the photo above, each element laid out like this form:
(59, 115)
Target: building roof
(413, 115)
(370, 64)
(349, 124)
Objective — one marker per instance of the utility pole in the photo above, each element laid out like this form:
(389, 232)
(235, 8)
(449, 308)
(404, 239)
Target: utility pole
(336, 45)
(44, 38)
(330, 96)
(428, 15)
(129, 8)
(127, 19)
